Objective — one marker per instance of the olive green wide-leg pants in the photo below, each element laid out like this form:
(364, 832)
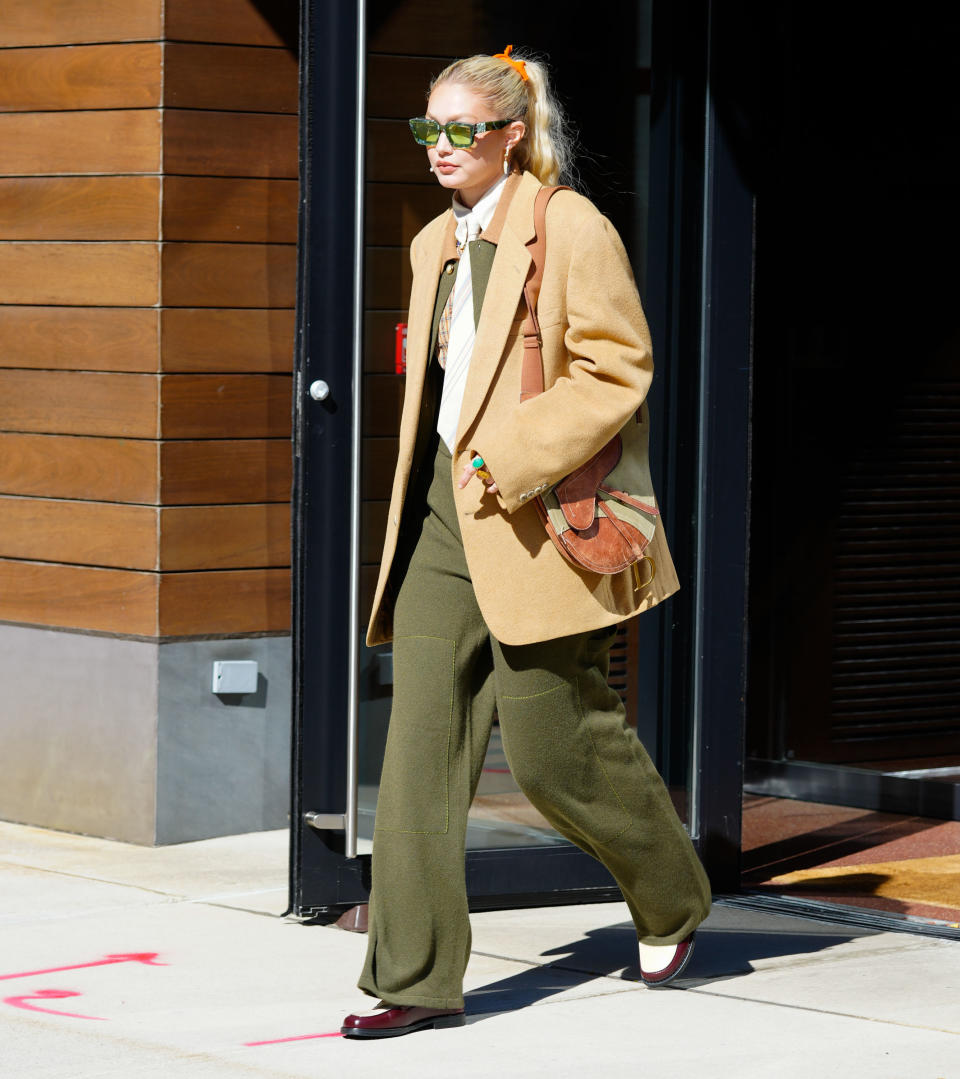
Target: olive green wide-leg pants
(569, 749)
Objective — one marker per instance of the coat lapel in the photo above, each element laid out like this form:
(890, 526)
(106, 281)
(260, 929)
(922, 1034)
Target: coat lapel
(504, 291)
(419, 322)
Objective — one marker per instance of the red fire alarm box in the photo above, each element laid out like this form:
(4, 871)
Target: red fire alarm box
(400, 349)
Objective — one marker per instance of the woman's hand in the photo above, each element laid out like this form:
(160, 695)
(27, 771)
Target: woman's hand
(478, 468)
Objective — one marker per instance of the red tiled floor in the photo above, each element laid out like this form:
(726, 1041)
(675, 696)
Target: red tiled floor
(783, 835)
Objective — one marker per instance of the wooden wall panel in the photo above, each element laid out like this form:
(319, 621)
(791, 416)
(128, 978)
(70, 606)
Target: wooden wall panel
(238, 340)
(229, 286)
(81, 273)
(379, 340)
(75, 22)
(397, 85)
(66, 466)
(395, 213)
(387, 278)
(232, 210)
(229, 275)
(241, 22)
(81, 77)
(224, 406)
(224, 601)
(233, 77)
(131, 501)
(379, 462)
(145, 604)
(229, 144)
(86, 533)
(80, 208)
(252, 470)
(79, 403)
(368, 586)
(425, 28)
(382, 405)
(373, 528)
(80, 338)
(46, 143)
(224, 537)
(392, 155)
(79, 597)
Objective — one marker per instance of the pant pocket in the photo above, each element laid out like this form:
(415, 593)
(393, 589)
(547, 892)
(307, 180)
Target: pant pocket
(415, 785)
(563, 764)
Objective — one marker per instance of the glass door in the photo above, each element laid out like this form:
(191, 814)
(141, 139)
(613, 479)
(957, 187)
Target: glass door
(513, 855)
(852, 786)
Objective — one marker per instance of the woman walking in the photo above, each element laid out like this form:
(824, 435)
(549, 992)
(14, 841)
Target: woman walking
(484, 613)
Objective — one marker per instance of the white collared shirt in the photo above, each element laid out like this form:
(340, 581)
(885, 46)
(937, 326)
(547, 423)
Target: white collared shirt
(483, 210)
(470, 223)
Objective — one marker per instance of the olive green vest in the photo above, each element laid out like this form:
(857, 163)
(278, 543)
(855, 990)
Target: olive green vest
(482, 253)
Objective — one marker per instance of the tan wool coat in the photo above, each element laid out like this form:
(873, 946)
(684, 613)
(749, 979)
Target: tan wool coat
(597, 370)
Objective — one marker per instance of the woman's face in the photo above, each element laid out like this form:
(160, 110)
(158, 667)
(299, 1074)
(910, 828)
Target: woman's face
(470, 172)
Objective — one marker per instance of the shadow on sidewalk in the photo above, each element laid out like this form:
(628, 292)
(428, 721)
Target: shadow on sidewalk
(722, 952)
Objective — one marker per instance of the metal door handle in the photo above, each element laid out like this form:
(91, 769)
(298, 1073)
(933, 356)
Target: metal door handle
(319, 390)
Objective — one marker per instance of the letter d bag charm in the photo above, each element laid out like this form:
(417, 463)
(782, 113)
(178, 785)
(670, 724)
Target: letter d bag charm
(604, 514)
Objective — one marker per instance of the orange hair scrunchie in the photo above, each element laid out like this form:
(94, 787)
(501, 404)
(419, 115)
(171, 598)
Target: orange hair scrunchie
(519, 66)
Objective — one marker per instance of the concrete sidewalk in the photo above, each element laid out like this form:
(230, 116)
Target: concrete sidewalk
(173, 962)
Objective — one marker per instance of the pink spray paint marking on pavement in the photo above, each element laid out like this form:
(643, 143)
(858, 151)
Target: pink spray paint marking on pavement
(147, 958)
(48, 994)
(297, 1038)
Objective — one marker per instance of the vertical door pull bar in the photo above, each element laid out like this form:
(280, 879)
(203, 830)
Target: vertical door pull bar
(353, 662)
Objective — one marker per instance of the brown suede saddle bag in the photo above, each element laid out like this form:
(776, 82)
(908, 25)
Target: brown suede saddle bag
(602, 516)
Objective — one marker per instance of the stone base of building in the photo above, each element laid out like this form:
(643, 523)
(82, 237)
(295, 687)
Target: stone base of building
(125, 738)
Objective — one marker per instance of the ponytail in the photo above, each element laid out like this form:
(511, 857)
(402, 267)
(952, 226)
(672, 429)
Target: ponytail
(547, 146)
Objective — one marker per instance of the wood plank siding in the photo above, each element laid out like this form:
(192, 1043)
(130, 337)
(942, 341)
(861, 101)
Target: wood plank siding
(211, 339)
(80, 208)
(124, 76)
(78, 22)
(79, 338)
(148, 226)
(115, 141)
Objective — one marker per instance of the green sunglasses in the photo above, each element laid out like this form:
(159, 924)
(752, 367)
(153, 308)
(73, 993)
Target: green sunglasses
(459, 134)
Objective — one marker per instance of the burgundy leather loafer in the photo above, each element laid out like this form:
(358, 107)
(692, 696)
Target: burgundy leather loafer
(392, 1022)
(666, 962)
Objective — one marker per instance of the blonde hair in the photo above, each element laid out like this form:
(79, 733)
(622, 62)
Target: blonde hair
(547, 146)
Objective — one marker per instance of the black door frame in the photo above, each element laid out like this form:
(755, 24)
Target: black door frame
(699, 300)
(322, 592)
(699, 305)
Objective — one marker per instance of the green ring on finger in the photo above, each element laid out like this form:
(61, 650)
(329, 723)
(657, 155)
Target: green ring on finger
(477, 462)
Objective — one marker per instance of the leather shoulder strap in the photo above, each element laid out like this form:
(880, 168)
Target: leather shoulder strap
(531, 375)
